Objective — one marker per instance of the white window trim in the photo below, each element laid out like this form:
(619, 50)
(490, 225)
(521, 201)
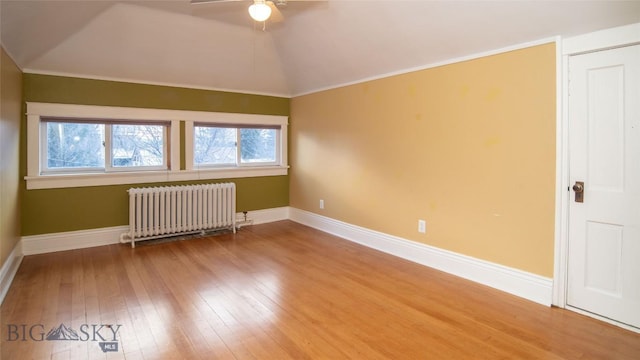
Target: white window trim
(266, 120)
(36, 180)
(108, 166)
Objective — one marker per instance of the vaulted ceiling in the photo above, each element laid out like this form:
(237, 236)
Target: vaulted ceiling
(319, 45)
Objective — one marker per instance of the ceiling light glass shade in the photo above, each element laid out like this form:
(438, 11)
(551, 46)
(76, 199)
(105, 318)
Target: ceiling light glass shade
(259, 11)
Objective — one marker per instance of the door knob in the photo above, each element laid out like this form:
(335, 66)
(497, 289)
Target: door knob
(578, 188)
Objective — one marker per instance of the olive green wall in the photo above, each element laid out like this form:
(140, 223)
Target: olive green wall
(68, 209)
(67, 90)
(10, 114)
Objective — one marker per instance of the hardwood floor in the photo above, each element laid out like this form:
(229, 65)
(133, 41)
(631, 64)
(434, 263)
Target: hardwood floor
(279, 291)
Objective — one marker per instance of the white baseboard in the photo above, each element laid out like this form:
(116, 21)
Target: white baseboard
(9, 270)
(266, 215)
(71, 240)
(516, 282)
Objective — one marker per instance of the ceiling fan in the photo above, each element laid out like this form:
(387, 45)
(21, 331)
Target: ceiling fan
(260, 10)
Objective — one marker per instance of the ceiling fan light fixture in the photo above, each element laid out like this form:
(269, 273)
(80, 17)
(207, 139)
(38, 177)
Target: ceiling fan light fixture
(259, 11)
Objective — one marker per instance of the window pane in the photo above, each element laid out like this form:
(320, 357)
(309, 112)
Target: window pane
(72, 145)
(137, 145)
(214, 146)
(258, 145)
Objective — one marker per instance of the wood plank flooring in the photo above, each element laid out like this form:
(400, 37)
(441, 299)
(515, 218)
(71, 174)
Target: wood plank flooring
(280, 291)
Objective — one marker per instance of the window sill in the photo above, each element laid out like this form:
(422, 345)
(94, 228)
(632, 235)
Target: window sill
(56, 181)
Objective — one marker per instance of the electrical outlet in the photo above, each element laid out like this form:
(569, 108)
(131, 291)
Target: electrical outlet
(422, 226)
(321, 204)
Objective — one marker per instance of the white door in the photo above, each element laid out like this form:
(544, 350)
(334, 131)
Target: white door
(604, 146)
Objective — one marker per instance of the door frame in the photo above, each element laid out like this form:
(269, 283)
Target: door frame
(592, 42)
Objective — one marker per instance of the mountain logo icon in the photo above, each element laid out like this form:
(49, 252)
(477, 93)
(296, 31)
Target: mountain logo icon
(62, 332)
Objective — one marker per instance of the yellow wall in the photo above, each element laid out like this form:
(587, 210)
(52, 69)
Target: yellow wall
(469, 147)
(10, 117)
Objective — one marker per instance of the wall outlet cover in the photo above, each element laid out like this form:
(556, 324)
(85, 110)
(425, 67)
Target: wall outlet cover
(422, 226)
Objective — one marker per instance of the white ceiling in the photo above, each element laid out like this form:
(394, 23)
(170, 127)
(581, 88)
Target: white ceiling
(321, 44)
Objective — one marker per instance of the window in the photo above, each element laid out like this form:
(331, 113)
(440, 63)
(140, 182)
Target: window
(258, 146)
(87, 145)
(229, 145)
(73, 146)
(237, 144)
(138, 146)
(77, 146)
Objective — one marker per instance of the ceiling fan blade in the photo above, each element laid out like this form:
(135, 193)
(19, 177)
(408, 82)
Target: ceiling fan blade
(276, 15)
